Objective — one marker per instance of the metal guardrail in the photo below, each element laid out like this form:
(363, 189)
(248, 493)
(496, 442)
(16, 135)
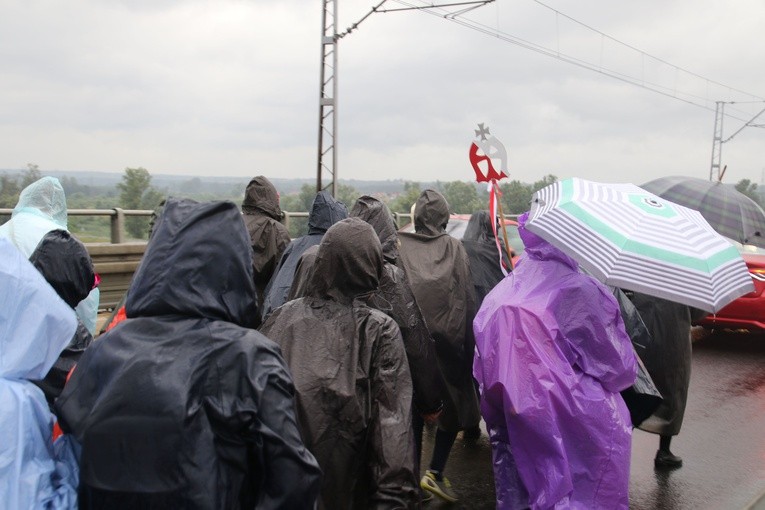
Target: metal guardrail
(118, 216)
(116, 261)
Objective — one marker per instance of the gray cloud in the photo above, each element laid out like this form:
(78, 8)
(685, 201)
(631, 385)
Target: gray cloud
(226, 87)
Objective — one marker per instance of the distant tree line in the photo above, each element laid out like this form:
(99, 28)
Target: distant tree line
(135, 191)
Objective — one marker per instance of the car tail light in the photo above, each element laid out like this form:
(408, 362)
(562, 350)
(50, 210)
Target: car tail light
(758, 274)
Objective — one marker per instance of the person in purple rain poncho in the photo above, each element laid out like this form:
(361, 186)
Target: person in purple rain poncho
(551, 357)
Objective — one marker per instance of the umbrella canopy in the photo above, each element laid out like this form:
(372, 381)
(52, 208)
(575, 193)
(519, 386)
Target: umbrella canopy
(629, 238)
(730, 212)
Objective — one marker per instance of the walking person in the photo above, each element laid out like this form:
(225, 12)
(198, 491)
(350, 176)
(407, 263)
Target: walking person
(438, 271)
(66, 265)
(268, 237)
(35, 326)
(552, 356)
(182, 404)
(325, 212)
(668, 361)
(40, 209)
(354, 390)
(485, 269)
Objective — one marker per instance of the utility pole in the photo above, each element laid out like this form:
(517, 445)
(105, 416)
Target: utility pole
(327, 156)
(717, 138)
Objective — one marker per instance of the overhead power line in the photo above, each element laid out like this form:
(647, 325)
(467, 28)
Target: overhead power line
(706, 103)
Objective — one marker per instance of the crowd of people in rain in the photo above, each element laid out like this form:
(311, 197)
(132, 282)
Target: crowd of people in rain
(249, 370)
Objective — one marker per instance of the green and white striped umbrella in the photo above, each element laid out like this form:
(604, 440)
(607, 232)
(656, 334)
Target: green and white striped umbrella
(632, 239)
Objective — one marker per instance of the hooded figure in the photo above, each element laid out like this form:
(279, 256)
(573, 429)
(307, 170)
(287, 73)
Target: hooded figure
(42, 208)
(35, 325)
(181, 405)
(394, 297)
(65, 264)
(268, 237)
(668, 361)
(551, 357)
(325, 212)
(354, 390)
(438, 271)
(481, 248)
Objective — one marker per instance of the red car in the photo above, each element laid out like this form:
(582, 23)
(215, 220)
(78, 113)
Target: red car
(748, 311)
(458, 224)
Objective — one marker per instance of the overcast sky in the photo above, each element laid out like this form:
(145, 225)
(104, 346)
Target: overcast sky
(231, 88)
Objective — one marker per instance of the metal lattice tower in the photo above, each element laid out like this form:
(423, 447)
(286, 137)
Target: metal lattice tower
(717, 141)
(327, 160)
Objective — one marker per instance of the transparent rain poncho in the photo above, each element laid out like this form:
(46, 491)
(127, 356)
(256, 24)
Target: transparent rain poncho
(40, 209)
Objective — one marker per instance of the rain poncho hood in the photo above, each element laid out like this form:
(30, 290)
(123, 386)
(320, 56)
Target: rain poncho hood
(268, 237)
(65, 264)
(438, 271)
(181, 405)
(481, 248)
(260, 195)
(40, 209)
(431, 213)
(325, 212)
(35, 325)
(551, 357)
(378, 215)
(350, 369)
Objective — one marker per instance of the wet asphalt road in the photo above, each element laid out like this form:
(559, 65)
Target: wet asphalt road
(722, 441)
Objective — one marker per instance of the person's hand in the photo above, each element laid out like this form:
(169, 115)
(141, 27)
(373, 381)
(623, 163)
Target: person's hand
(431, 419)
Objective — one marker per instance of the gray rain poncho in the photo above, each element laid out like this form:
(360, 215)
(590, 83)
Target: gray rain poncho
(438, 271)
(482, 252)
(395, 298)
(182, 405)
(667, 358)
(268, 237)
(325, 212)
(351, 374)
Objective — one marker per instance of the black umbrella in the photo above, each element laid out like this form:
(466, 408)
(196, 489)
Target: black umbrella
(730, 212)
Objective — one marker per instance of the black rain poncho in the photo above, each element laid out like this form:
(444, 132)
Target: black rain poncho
(181, 405)
(482, 252)
(268, 237)
(667, 358)
(325, 212)
(66, 265)
(395, 298)
(350, 370)
(438, 271)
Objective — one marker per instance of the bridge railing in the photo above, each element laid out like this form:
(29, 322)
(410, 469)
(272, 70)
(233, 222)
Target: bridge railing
(116, 261)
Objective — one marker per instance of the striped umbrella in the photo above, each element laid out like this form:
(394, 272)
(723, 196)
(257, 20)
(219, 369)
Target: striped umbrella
(730, 212)
(632, 239)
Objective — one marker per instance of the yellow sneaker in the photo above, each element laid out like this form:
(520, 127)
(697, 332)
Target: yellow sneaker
(441, 488)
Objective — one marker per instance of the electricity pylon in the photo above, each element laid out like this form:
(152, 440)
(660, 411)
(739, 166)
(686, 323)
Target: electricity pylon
(717, 138)
(327, 156)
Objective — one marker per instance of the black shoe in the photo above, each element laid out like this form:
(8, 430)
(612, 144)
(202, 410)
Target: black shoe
(665, 459)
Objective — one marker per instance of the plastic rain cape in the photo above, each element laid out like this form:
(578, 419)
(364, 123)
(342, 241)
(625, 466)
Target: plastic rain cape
(35, 326)
(40, 209)
(551, 356)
